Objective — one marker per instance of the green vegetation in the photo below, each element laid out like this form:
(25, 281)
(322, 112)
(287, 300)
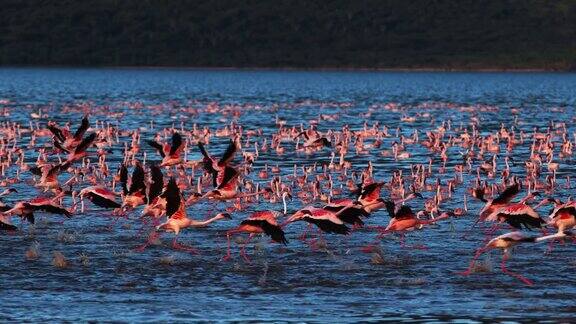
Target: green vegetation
(445, 34)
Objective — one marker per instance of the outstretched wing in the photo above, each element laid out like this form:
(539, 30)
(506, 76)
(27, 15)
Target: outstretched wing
(138, 180)
(507, 195)
(228, 154)
(172, 195)
(479, 194)
(176, 143)
(371, 191)
(226, 177)
(7, 227)
(351, 215)
(274, 231)
(57, 132)
(404, 212)
(59, 146)
(82, 128)
(52, 209)
(86, 142)
(55, 170)
(36, 171)
(124, 178)
(207, 162)
(157, 146)
(390, 208)
(157, 182)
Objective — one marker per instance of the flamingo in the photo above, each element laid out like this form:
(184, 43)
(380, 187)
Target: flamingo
(219, 169)
(64, 140)
(506, 242)
(156, 205)
(499, 202)
(177, 218)
(79, 151)
(99, 196)
(170, 153)
(404, 220)
(26, 209)
(258, 222)
(49, 174)
(325, 220)
(135, 196)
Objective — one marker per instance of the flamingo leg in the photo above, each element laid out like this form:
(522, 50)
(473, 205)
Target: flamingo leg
(550, 247)
(181, 247)
(228, 250)
(243, 249)
(304, 235)
(402, 240)
(468, 271)
(513, 274)
(151, 238)
(143, 227)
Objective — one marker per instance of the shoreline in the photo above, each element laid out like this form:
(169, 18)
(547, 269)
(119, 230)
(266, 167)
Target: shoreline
(294, 69)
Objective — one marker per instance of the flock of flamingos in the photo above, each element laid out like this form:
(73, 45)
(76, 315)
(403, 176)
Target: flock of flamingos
(161, 189)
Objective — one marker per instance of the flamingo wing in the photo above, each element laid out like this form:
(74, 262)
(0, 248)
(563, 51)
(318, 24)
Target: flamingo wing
(86, 142)
(404, 212)
(57, 132)
(82, 128)
(176, 143)
(272, 230)
(52, 209)
(36, 171)
(7, 227)
(172, 195)
(138, 180)
(351, 215)
(328, 226)
(371, 191)
(520, 215)
(227, 177)
(101, 201)
(157, 183)
(124, 178)
(507, 195)
(228, 154)
(59, 146)
(208, 163)
(157, 146)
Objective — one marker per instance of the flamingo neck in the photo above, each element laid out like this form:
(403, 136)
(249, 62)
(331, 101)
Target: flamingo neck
(204, 223)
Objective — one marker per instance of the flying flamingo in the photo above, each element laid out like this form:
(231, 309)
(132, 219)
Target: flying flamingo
(404, 220)
(177, 218)
(136, 194)
(26, 209)
(256, 223)
(499, 202)
(99, 196)
(505, 242)
(170, 153)
(79, 151)
(218, 169)
(156, 205)
(64, 140)
(327, 221)
(49, 174)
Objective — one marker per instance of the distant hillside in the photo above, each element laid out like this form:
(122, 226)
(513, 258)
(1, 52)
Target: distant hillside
(461, 34)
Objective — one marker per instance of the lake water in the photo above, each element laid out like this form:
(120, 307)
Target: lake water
(293, 283)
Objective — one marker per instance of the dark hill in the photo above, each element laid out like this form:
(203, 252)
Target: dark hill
(462, 34)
